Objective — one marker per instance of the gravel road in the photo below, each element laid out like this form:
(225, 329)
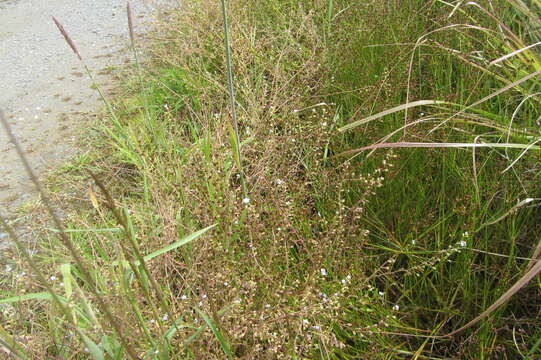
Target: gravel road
(44, 92)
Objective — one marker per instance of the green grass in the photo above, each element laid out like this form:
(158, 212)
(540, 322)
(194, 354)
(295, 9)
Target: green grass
(320, 248)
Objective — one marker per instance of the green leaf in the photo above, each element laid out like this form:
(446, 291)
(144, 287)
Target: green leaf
(67, 279)
(85, 230)
(390, 111)
(178, 243)
(34, 296)
(93, 348)
(167, 248)
(217, 333)
(7, 341)
(233, 139)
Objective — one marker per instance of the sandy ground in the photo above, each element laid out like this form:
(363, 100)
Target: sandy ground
(44, 91)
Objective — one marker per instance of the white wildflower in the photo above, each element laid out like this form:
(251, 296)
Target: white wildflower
(246, 200)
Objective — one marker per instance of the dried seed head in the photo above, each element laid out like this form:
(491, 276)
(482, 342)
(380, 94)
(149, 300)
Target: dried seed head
(130, 23)
(67, 37)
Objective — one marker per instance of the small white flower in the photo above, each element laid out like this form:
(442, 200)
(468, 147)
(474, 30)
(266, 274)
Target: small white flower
(8, 268)
(156, 352)
(226, 283)
(381, 293)
(465, 234)
(348, 277)
(246, 200)
(343, 281)
(324, 124)
(462, 243)
(204, 296)
(528, 200)
(316, 328)
(305, 322)
(267, 306)
(396, 307)
(237, 301)
(165, 317)
(61, 284)
(323, 272)
(413, 242)
(279, 181)
(184, 297)
(52, 278)
(152, 321)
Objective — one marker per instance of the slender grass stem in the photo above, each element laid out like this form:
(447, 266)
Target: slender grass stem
(232, 100)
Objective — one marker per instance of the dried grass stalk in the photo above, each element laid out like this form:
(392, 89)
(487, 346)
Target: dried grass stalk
(67, 37)
(130, 22)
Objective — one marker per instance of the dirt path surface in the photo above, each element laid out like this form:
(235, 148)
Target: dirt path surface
(44, 91)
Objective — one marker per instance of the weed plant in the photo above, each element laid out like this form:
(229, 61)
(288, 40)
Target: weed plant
(386, 194)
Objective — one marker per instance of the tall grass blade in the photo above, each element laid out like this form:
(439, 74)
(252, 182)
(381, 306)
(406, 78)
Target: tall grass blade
(388, 112)
(65, 241)
(10, 346)
(93, 349)
(530, 274)
(219, 336)
(406, 144)
(231, 90)
(516, 52)
(178, 243)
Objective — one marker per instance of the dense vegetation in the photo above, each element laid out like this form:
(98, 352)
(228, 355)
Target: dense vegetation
(330, 230)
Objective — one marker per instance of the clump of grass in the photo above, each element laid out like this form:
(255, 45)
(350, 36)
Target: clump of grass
(333, 257)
